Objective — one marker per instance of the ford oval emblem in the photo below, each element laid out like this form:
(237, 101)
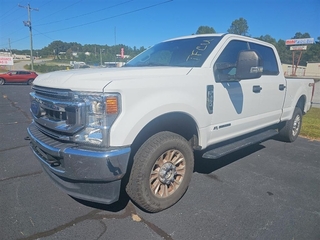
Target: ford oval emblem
(35, 108)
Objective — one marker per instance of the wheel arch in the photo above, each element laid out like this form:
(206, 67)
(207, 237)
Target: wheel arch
(176, 122)
(30, 80)
(301, 103)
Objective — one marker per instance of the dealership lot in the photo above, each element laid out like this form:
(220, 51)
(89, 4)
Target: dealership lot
(267, 191)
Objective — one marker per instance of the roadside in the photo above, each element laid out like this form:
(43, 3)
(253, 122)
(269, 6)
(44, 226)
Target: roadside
(19, 65)
(316, 96)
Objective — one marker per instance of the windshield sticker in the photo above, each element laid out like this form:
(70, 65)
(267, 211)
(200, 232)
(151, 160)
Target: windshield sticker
(196, 53)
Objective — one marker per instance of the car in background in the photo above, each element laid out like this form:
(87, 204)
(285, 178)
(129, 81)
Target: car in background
(19, 76)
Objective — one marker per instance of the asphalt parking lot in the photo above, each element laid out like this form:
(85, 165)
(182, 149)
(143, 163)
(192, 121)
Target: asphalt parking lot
(267, 191)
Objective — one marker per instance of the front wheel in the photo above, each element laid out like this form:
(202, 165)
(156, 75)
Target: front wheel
(161, 171)
(30, 81)
(2, 81)
(291, 129)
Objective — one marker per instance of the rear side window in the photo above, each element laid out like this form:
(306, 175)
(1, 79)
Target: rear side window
(269, 62)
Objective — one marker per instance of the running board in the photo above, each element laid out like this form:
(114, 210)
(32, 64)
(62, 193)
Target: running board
(234, 146)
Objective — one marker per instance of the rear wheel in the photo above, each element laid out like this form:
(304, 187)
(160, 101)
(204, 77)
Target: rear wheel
(291, 129)
(2, 81)
(161, 171)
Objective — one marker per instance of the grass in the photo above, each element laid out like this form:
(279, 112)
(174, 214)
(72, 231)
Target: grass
(45, 68)
(311, 124)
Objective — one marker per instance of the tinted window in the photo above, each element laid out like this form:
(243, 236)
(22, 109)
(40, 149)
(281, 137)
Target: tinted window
(225, 66)
(190, 52)
(269, 62)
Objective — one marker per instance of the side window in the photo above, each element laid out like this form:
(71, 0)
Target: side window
(269, 62)
(225, 66)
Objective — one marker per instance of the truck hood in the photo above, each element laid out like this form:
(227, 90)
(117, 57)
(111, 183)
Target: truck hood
(95, 79)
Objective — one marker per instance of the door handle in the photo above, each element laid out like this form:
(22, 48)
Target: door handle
(256, 88)
(282, 87)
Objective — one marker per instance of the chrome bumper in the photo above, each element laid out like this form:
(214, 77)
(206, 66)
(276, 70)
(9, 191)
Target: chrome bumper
(85, 174)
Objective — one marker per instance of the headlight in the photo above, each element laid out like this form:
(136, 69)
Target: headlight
(101, 112)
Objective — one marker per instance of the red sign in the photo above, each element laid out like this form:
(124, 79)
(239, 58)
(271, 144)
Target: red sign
(300, 41)
(6, 61)
(122, 52)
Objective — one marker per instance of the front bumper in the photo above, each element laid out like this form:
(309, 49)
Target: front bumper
(84, 174)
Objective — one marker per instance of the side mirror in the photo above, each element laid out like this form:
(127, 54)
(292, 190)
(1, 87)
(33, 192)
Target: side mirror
(248, 65)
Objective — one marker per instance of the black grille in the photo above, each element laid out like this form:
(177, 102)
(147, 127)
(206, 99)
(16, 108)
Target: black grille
(56, 115)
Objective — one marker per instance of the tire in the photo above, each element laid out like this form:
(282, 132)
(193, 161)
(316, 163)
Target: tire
(2, 82)
(161, 171)
(291, 129)
(29, 82)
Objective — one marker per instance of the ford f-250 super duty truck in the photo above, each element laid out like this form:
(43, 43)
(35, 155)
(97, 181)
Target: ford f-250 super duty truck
(95, 130)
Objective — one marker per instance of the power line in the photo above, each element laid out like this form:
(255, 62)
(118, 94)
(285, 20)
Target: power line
(40, 33)
(115, 16)
(46, 3)
(100, 20)
(85, 14)
(17, 40)
(60, 10)
(11, 11)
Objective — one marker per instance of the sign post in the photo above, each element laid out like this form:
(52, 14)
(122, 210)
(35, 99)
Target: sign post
(295, 46)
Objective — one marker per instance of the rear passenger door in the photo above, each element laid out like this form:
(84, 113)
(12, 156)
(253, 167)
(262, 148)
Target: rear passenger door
(272, 86)
(22, 76)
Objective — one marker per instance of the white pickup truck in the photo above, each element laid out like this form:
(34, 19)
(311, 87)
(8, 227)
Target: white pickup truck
(96, 131)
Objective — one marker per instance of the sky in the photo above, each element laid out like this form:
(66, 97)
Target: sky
(143, 23)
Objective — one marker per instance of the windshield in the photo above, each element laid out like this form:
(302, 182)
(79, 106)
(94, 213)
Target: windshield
(190, 52)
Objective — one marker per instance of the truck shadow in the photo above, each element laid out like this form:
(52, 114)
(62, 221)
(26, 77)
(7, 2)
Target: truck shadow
(118, 206)
(207, 166)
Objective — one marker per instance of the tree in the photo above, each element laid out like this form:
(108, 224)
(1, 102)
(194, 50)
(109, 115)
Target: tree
(284, 52)
(313, 52)
(205, 30)
(239, 27)
(300, 35)
(269, 39)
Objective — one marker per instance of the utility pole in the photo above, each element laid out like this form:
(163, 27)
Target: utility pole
(115, 42)
(10, 52)
(28, 24)
(10, 47)
(101, 50)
